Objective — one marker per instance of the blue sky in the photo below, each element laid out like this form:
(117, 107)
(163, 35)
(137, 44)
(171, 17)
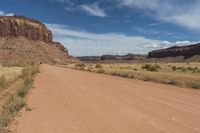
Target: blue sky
(96, 27)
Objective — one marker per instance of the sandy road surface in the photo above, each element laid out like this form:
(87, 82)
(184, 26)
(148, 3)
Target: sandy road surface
(71, 101)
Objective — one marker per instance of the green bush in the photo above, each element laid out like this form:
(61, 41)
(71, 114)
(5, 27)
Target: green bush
(3, 81)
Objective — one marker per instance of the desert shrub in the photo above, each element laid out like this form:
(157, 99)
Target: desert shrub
(3, 81)
(157, 66)
(196, 70)
(150, 67)
(34, 70)
(23, 90)
(101, 71)
(115, 73)
(189, 68)
(5, 118)
(146, 79)
(181, 68)
(15, 101)
(194, 85)
(90, 68)
(123, 74)
(174, 68)
(25, 72)
(80, 65)
(131, 76)
(12, 105)
(135, 69)
(172, 82)
(184, 69)
(98, 66)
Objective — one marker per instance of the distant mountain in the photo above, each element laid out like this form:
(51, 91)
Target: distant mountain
(184, 51)
(112, 58)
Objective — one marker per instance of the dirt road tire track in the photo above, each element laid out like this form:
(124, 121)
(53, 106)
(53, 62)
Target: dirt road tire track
(71, 101)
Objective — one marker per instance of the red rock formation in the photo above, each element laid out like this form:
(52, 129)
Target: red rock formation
(28, 40)
(185, 51)
(17, 26)
(60, 46)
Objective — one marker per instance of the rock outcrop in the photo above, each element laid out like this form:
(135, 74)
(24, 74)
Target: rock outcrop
(27, 40)
(61, 47)
(185, 51)
(16, 26)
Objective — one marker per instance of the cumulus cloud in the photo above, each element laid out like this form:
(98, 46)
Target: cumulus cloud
(2, 13)
(182, 13)
(93, 10)
(85, 43)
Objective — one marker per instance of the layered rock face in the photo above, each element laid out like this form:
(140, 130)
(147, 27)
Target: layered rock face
(185, 51)
(20, 26)
(28, 40)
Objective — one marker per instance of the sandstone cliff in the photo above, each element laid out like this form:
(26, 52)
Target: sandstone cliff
(185, 51)
(23, 39)
(16, 26)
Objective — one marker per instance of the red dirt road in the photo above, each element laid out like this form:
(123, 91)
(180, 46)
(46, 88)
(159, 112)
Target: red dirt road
(71, 101)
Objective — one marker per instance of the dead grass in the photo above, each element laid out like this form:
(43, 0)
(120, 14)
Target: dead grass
(9, 74)
(178, 74)
(15, 100)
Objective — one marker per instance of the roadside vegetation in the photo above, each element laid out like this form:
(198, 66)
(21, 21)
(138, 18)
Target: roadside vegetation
(178, 74)
(14, 101)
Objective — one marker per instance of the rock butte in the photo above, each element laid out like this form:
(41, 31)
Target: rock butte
(185, 51)
(28, 40)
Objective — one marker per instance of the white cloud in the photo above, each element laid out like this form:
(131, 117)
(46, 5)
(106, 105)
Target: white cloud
(85, 43)
(184, 14)
(2, 13)
(93, 10)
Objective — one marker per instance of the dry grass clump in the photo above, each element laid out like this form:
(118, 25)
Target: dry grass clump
(100, 71)
(80, 65)
(151, 67)
(3, 81)
(23, 90)
(98, 66)
(13, 64)
(15, 100)
(13, 104)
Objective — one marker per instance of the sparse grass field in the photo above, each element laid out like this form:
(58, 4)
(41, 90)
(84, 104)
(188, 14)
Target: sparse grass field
(8, 74)
(179, 74)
